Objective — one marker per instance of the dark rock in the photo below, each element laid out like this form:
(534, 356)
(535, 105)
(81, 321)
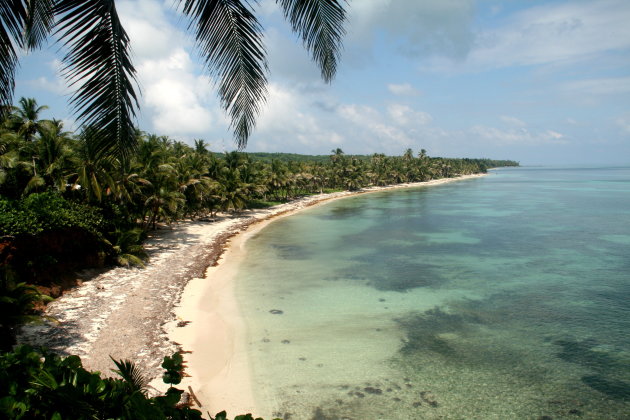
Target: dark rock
(372, 390)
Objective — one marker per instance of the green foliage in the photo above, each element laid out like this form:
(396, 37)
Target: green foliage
(42, 385)
(174, 368)
(40, 212)
(17, 302)
(262, 204)
(127, 247)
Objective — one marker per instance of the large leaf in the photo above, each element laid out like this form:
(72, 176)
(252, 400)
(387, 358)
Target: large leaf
(131, 374)
(39, 22)
(12, 17)
(23, 24)
(320, 25)
(98, 65)
(229, 37)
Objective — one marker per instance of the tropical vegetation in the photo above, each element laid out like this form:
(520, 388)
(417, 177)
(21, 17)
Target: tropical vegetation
(37, 384)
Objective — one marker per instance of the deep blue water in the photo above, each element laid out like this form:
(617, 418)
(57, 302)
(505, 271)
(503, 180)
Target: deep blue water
(500, 297)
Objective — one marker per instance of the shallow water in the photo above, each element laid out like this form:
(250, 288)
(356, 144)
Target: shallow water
(503, 297)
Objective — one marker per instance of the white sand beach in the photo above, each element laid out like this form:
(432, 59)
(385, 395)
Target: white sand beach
(182, 300)
(215, 331)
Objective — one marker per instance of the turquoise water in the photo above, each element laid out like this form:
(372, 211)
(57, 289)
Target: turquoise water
(503, 297)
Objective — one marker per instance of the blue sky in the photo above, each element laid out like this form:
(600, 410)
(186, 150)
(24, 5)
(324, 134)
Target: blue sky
(541, 82)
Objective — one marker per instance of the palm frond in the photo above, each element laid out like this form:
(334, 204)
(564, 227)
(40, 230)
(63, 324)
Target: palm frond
(230, 39)
(39, 22)
(34, 183)
(320, 25)
(98, 64)
(131, 374)
(12, 17)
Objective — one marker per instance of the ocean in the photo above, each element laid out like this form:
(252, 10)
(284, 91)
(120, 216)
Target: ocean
(501, 297)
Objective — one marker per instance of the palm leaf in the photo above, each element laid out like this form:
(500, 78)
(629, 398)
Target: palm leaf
(131, 374)
(320, 25)
(98, 64)
(229, 37)
(34, 183)
(12, 17)
(39, 22)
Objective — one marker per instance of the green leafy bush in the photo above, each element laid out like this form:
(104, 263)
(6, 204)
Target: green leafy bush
(41, 385)
(46, 211)
(17, 303)
(127, 249)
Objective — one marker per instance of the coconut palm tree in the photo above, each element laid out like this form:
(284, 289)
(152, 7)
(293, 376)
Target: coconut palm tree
(93, 178)
(25, 118)
(98, 60)
(54, 154)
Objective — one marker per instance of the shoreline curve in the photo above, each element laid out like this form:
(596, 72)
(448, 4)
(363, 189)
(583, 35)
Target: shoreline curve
(209, 326)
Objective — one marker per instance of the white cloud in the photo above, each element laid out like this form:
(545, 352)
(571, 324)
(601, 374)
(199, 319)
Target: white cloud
(405, 115)
(513, 121)
(551, 33)
(176, 99)
(267, 8)
(553, 135)
(401, 127)
(516, 136)
(624, 122)
(290, 122)
(289, 61)
(608, 86)
(148, 24)
(70, 124)
(404, 89)
(56, 86)
(416, 28)
(56, 83)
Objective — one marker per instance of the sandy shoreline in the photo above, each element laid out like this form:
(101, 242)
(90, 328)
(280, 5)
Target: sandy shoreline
(182, 300)
(215, 332)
